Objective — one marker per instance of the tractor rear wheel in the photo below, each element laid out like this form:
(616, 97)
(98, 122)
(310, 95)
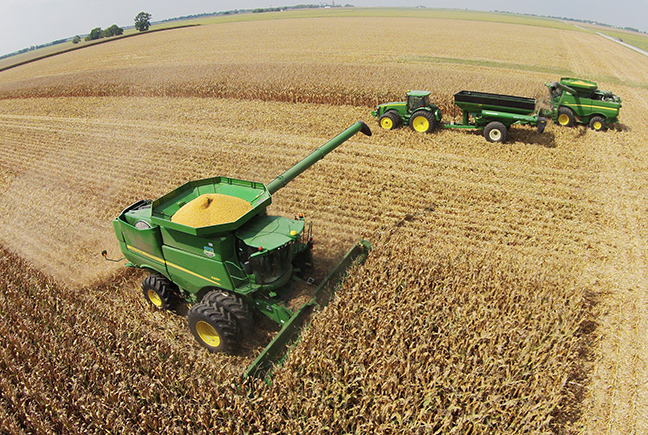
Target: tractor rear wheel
(213, 327)
(159, 291)
(566, 117)
(495, 132)
(233, 304)
(597, 123)
(422, 121)
(390, 120)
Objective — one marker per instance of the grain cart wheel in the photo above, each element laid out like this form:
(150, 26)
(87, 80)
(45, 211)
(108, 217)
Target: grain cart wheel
(233, 304)
(597, 123)
(495, 132)
(159, 291)
(422, 121)
(566, 117)
(213, 327)
(390, 120)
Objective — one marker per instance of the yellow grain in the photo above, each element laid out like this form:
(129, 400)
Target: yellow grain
(211, 209)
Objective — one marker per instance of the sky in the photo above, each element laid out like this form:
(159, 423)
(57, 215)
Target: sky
(25, 23)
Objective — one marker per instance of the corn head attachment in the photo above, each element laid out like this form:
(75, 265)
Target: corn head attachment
(276, 351)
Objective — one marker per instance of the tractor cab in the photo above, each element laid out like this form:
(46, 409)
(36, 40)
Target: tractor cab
(417, 99)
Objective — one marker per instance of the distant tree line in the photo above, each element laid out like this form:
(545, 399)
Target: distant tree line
(142, 23)
(34, 47)
(285, 8)
(256, 11)
(632, 29)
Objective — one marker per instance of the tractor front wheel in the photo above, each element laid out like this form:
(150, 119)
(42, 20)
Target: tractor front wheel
(234, 305)
(159, 291)
(566, 117)
(390, 120)
(213, 327)
(495, 132)
(597, 123)
(422, 121)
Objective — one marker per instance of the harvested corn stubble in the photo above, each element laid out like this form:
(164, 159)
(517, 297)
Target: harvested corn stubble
(211, 209)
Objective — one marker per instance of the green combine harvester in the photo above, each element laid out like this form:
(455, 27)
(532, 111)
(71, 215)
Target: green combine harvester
(494, 114)
(579, 101)
(211, 243)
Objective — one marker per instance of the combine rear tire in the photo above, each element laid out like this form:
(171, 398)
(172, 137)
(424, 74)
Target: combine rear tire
(390, 120)
(159, 291)
(422, 121)
(566, 117)
(213, 328)
(597, 123)
(495, 132)
(233, 304)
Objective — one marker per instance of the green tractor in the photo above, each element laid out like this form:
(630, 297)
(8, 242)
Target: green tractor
(417, 112)
(211, 243)
(578, 101)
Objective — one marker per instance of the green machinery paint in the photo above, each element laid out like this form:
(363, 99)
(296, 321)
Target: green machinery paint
(229, 270)
(579, 101)
(492, 113)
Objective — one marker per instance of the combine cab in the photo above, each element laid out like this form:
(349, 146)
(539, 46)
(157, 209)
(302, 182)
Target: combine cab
(212, 243)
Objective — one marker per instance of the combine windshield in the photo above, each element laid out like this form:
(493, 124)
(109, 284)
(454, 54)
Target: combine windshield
(266, 268)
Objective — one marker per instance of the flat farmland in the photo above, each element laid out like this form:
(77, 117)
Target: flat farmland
(506, 292)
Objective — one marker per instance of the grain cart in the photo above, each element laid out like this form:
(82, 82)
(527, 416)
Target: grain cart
(492, 113)
(211, 243)
(580, 101)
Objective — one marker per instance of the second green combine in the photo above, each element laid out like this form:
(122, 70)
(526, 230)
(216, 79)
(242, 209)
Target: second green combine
(211, 243)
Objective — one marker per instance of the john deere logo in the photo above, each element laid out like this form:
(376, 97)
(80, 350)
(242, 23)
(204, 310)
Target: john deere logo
(209, 251)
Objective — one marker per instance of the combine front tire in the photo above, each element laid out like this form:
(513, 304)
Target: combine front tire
(495, 132)
(213, 327)
(390, 120)
(566, 117)
(159, 291)
(234, 305)
(597, 123)
(422, 121)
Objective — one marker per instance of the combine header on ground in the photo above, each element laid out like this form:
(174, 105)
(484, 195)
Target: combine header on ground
(211, 243)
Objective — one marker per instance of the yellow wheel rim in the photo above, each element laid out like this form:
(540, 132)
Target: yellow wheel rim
(563, 119)
(386, 123)
(155, 298)
(598, 125)
(208, 334)
(421, 124)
